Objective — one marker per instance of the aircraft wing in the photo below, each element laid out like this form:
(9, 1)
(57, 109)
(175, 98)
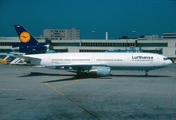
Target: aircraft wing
(30, 59)
(85, 66)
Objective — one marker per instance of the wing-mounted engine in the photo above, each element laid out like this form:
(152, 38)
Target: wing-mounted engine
(100, 70)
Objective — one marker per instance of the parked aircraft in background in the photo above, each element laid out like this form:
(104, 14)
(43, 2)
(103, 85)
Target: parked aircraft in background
(99, 64)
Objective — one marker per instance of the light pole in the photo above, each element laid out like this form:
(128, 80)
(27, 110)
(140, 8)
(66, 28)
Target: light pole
(126, 39)
(134, 32)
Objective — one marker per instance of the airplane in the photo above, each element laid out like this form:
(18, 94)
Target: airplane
(29, 44)
(99, 64)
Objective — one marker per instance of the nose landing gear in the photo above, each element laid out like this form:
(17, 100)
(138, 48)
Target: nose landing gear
(146, 73)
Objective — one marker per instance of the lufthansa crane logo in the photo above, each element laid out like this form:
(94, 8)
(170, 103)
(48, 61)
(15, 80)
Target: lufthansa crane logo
(25, 37)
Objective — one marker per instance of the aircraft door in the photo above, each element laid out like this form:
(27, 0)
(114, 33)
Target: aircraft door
(93, 60)
(151, 63)
(156, 61)
(121, 62)
(46, 60)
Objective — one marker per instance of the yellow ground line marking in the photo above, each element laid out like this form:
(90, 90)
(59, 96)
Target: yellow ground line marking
(55, 89)
(60, 93)
(68, 84)
(173, 74)
(25, 70)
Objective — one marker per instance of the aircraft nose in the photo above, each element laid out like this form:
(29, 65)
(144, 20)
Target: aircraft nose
(169, 62)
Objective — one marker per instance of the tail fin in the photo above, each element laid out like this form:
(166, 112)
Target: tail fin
(25, 37)
(29, 44)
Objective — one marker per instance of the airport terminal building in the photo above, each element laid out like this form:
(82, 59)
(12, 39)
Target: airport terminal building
(166, 44)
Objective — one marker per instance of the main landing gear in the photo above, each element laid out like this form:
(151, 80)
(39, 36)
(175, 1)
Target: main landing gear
(81, 72)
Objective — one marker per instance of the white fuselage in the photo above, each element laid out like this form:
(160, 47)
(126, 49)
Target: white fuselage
(116, 61)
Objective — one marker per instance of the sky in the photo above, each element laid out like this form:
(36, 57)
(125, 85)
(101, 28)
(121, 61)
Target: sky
(131, 18)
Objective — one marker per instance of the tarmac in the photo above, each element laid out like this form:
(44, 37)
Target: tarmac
(30, 93)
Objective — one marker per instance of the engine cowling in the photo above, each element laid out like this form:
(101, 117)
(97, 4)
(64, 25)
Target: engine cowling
(100, 70)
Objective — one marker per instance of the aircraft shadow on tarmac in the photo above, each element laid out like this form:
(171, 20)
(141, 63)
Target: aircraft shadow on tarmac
(72, 76)
(140, 76)
(84, 76)
(88, 75)
(45, 74)
(109, 77)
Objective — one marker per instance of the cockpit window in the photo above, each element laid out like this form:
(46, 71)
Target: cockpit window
(165, 58)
